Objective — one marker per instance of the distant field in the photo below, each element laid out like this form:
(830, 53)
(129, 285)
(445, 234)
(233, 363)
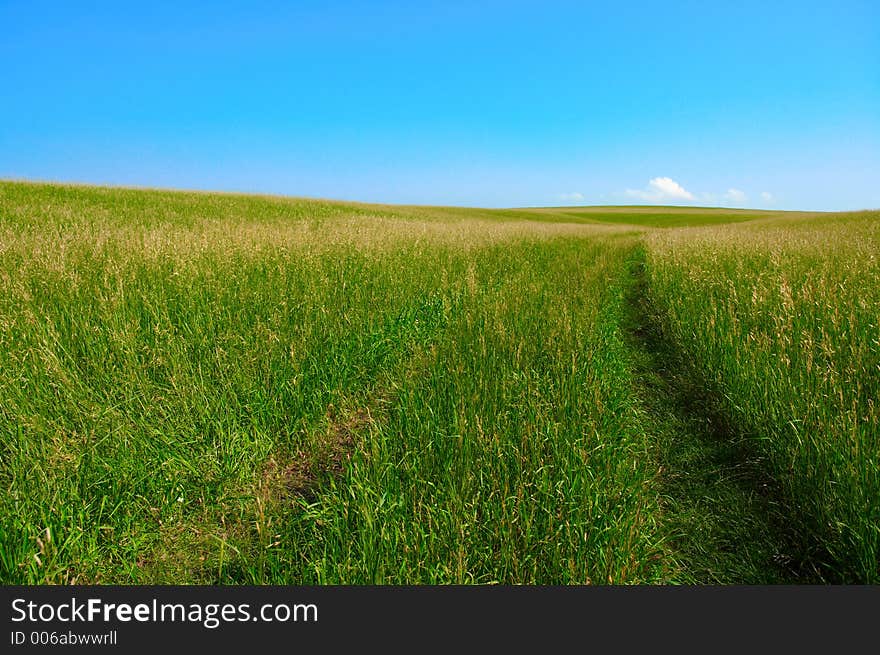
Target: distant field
(657, 216)
(229, 389)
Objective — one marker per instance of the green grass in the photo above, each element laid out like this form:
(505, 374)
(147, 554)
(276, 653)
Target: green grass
(781, 318)
(220, 388)
(653, 216)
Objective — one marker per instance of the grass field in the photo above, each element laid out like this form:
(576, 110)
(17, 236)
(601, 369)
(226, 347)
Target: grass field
(216, 388)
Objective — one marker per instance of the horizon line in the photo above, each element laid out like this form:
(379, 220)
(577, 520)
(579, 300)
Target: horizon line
(287, 196)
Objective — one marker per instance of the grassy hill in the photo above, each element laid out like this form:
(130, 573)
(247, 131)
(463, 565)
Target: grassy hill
(222, 388)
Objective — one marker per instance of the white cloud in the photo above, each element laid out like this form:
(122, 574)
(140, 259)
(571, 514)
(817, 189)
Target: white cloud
(661, 188)
(665, 189)
(735, 195)
(571, 197)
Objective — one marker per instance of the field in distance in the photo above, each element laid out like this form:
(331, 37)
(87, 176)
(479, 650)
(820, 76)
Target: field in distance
(231, 389)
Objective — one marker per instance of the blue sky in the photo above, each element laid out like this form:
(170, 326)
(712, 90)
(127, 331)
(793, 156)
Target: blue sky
(492, 104)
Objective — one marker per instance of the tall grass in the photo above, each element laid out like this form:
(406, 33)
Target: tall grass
(781, 317)
(184, 377)
(513, 451)
(229, 389)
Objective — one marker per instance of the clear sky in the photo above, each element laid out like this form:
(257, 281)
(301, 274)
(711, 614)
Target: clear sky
(739, 103)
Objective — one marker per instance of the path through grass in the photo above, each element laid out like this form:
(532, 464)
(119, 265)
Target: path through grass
(230, 389)
(725, 519)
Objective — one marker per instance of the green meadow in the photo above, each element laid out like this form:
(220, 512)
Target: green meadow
(230, 389)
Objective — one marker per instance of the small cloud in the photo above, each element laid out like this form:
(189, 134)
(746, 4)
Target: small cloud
(767, 197)
(571, 197)
(661, 188)
(735, 195)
